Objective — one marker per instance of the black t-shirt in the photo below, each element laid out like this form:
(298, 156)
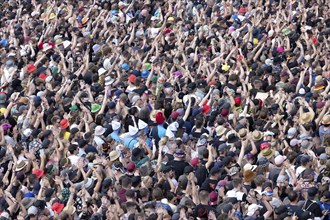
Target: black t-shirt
(168, 100)
(201, 175)
(249, 187)
(291, 209)
(209, 184)
(198, 210)
(198, 134)
(169, 156)
(166, 186)
(140, 90)
(203, 162)
(313, 207)
(178, 166)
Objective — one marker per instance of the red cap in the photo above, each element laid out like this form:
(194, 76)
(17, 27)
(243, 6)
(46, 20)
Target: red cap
(264, 146)
(237, 100)
(206, 109)
(43, 76)
(38, 172)
(57, 207)
(242, 10)
(31, 68)
(40, 45)
(239, 57)
(175, 115)
(194, 162)
(160, 118)
(64, 123)
(167, 31)
(213, 198)
(320, 104)
(131, 78)
(130, 167)
(284, 73)
(315, 40)
(213, 82)
(224, 112)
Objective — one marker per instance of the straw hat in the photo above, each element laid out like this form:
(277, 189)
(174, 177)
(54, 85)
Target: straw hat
(326, 120)
(89, 183)
(306, 117)
(268, 153)
(21, 165)
(70, 210)
(220, 130)
(257, 135)
(114, 155)
(242, 132)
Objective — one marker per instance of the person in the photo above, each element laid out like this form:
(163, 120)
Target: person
(178, 163)
(202, 209)
(310, 204)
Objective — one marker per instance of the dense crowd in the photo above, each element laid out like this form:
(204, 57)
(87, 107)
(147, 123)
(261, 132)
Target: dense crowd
(151, 110)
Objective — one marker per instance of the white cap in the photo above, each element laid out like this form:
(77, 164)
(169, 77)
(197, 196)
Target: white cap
(279, 160)
(32, 210)
(142, 124)
(5, 215)
(41, 93)
(27, 132)
(302, 91)
(74, 126)
(307, 57)
(108, 80)
(292, 132)
(252, 209)
(269, 62)
(66, 43)
(46, 47)
(115, 125)
(23, 52)
(132, 130)
(249, 166)
(101, 71)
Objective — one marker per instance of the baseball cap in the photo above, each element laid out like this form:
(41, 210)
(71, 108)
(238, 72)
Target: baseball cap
(215, 170)
(268, 191)
(292, 132)
(279, 160)
(294, 142)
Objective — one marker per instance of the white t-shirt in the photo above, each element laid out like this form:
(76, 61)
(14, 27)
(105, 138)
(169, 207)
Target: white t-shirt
(299, 170)
(74, 159)
(99, 141)
(235, 194)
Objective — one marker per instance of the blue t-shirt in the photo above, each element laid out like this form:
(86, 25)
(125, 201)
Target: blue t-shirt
(130, 142)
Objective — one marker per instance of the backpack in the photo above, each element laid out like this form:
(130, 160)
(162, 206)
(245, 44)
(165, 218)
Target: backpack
(304, 206)
(154, 134)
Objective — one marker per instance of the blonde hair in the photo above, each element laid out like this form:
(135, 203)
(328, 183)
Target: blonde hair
(163, 141)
